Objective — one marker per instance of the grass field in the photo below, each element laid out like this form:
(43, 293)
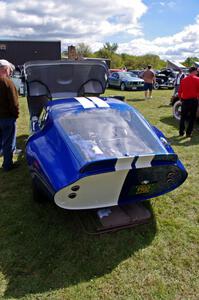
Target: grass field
(44, 254)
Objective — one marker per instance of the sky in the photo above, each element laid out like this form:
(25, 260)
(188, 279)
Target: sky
(169, 28)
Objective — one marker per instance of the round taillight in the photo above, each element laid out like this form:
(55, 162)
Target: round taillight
(171, 177)
(72, 195)
(75, 188)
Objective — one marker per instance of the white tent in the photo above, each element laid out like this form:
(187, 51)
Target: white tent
(173, 64)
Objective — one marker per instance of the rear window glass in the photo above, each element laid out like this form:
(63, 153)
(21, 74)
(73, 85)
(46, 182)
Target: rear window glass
(109, 133)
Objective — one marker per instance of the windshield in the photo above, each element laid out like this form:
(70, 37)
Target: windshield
(127, 75)
(109, 133)
(133, 74)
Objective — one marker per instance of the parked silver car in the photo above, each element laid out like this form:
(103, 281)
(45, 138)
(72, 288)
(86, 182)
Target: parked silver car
(125, 81)
(17, 79)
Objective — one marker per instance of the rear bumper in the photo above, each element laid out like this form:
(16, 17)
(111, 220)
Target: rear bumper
(121, 187)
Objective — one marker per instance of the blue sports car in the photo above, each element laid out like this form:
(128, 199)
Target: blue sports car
(87, 151)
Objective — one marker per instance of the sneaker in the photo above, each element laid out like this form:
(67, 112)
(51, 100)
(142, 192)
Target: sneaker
(188, 135)
(17, 151)
(150, 97)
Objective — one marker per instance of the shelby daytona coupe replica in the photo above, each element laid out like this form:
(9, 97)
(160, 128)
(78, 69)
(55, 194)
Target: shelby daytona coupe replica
(87, 151)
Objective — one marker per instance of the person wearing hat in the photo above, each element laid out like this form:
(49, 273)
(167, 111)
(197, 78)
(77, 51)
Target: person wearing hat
(189, 94)
(9, 111)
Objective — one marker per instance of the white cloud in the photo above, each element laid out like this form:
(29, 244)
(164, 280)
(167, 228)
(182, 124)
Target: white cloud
(72, 20)
(93, 23)
(169, 4)
(179, 46)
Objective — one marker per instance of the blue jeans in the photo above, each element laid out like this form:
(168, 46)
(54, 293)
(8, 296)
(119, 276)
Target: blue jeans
(7, 133)
(13, 144)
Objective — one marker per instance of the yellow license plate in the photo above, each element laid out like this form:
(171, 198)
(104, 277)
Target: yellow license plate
(143, 189)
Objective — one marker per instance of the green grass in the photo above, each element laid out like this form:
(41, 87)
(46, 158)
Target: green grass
(44, 254)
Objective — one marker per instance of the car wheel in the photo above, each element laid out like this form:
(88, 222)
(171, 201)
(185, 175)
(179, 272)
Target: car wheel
(122, 86)
(177, 110)
(156, 86)
(173, 100)
(37, 193)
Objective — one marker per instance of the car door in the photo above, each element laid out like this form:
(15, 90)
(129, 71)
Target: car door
(117, 79)
(113, 79)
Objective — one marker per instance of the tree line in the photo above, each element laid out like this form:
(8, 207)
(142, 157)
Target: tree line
(124, 60)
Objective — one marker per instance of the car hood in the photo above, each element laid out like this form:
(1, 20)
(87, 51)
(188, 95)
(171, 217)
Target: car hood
(57, 79)
(133, 79)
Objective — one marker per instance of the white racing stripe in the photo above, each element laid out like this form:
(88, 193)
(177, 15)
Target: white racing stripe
(144, 161)
(85, 102)
(95, 191)
(124, 163)
(99, 102)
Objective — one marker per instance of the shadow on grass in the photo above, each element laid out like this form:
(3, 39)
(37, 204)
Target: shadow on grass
(181, 141)
(164, 106)
(43, 247)
(171, 121)
(135, 100)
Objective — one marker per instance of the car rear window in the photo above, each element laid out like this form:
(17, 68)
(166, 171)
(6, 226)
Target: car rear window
(109, 133)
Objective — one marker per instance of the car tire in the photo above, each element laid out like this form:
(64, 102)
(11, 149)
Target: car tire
(37, 194)
(156, 86)
(122, 86)
(177, 110)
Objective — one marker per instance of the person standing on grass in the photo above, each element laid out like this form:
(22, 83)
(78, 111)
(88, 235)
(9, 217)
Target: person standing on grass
(189, 94)
(177, 81)
(149, 79)
(9, 111)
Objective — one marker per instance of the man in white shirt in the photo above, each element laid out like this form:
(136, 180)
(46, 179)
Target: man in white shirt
(177, 80)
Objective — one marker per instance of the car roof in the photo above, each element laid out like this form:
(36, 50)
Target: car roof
(116, 70)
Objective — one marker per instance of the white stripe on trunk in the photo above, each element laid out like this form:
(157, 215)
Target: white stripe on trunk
(144, 161)
(95, 191)
(124, 163)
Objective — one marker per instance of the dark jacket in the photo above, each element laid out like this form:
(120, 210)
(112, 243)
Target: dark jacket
(9, 105)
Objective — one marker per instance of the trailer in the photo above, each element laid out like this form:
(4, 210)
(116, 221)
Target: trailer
(20, 51)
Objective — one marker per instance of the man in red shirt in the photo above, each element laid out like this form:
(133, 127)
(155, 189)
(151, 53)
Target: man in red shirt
(189, 94)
